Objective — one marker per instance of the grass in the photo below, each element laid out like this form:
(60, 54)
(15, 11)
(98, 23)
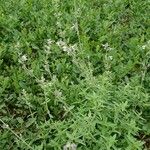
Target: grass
(74, 75)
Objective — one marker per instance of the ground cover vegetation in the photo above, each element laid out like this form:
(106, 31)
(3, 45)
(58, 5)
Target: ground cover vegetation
(74, 74)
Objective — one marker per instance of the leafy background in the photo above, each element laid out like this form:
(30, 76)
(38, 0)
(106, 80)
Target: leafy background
(74, 72)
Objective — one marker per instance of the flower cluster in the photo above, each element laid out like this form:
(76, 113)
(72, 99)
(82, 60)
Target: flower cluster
(70, 49)
(107, 47)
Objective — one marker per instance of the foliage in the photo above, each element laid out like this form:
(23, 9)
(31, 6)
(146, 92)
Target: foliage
(74, 72)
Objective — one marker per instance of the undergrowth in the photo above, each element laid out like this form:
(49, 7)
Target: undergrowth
(74, 75)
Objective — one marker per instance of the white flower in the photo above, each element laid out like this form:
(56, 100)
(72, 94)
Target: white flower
(49, 41)
(41, 81)
(61, 43)
(74, 47)
(70, 146)
(66, 48)
(143, 47)
(23, 59)
(105, 46)
(5, 126)
(110, 57)
(47, 48)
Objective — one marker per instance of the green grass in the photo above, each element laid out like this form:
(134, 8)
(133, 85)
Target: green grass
(74, 74)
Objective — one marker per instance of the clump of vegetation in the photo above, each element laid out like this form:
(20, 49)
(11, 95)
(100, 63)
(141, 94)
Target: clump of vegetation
(74, 75)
